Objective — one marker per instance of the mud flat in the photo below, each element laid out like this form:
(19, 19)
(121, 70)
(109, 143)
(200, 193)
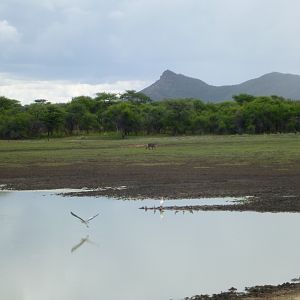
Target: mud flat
(283, 291)
(273, 189)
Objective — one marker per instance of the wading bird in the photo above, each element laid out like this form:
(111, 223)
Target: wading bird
(85, 222)
(161, 202)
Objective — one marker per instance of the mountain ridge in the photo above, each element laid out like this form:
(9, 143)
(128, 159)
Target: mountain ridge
(172, 86)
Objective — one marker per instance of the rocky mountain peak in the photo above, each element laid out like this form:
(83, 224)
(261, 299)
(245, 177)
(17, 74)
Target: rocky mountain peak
(167, 74)
(172, 86)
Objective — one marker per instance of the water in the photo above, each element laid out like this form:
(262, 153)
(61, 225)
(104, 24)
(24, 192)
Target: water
(131, 254)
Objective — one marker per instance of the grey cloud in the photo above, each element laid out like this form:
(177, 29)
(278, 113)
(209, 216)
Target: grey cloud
(218, 41)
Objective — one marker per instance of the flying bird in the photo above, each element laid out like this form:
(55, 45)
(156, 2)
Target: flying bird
(85, 222)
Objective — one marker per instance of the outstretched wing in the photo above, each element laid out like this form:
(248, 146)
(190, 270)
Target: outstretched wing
(77, 217)
(89, 219)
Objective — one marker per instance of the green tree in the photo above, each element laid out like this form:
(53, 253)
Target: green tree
(53, 118)
(135, 97)
(243, 98)
(124, 117)
(9, 104)
(179, 115)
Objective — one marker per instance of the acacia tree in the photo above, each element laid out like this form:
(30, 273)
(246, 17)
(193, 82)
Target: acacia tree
(9, 104)
(53, 118)
(135, 97)
(37, 112)
(124, 117)
(152, 117)
(243, 98)
(179, 115)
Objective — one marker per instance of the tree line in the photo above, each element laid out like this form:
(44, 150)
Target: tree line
(135, 113)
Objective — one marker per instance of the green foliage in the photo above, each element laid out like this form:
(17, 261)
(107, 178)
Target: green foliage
(135, 113)
(53, 118)
(135, 97)
(8, 104)
(179, 115)
(124, 117)
(243, 98)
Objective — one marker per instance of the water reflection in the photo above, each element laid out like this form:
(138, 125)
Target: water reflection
(204, 252)
(163, 212)
(187, 205)
(80, 244)
(83, 241)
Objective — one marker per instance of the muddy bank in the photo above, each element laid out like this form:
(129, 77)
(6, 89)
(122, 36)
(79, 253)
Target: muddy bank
(274, 188)
(281, 291)
(270, 204)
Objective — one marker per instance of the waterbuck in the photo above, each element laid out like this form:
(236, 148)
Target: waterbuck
(151, 146)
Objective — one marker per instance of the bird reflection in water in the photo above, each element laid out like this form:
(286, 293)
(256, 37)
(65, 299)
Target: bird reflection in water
(161, 213)
(83, 241)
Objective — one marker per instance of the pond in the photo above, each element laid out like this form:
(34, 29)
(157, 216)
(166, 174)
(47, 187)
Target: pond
(128, 253)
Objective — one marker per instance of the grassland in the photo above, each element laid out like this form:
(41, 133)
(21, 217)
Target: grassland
(228, 150)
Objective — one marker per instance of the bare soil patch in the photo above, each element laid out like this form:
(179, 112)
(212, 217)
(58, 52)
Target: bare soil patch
(274, 188)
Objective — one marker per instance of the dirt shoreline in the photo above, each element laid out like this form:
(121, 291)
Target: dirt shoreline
(283, 291)
(274, 188)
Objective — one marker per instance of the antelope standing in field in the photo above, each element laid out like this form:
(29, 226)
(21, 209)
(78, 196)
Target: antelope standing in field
(151, 146)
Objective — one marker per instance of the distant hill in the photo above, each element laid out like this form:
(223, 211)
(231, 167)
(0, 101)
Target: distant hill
(172, 85)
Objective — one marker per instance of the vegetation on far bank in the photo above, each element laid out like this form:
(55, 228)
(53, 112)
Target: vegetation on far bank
(211, 150)
(134, 113)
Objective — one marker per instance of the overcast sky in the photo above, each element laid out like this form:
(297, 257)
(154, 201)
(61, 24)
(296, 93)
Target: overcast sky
(56, 49)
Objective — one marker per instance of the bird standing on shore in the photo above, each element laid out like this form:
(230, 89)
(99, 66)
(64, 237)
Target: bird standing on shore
(161, 202)
(161, 211)
(85, 222)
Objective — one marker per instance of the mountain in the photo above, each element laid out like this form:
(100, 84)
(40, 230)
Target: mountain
(172, 85)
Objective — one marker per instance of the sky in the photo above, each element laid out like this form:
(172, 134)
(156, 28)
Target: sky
(59, 49)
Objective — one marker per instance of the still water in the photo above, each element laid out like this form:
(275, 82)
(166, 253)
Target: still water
(127, 253)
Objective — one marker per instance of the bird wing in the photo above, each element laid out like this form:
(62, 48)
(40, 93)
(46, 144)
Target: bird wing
(91, 218)
(77, 217)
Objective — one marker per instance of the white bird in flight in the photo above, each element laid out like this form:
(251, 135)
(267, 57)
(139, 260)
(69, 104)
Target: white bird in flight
(85, 222)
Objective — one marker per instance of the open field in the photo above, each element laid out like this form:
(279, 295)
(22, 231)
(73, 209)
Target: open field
(263, 150)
